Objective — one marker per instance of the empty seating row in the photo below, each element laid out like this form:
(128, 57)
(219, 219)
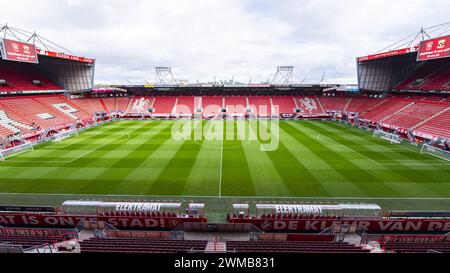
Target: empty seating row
(20, 77)
(414, 114)
(416, 247)
(135, 245)
(429, 76)
(30, 241)
(438, 126)
(385, 109)
(292, 247)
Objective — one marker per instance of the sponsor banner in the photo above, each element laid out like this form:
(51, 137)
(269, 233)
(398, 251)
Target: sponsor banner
(287, 115)
(70, 221)
(36, 232)
(390, 126)
(424, 135)
(436, 48)
(412, 238)
(27, 209)
(32, 134)
(388, 54)
(64, 56)
(19, 52)
(363, 225)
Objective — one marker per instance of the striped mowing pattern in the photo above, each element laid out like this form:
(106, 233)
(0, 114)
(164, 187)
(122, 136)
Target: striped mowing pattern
(314, 159)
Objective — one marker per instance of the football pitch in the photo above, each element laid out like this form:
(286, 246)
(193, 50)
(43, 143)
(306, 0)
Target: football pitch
(313, 161)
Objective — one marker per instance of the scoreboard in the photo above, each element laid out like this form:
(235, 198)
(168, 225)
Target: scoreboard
(18, 51)
(436, 48)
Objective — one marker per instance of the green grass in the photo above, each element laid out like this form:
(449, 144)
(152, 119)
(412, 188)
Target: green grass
(139, 160)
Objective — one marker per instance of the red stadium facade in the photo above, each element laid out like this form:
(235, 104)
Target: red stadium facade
(45, 93)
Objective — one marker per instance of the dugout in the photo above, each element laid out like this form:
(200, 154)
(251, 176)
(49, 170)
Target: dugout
(99, 207)
(339, 210)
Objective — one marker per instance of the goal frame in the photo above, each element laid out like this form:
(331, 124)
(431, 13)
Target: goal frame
(426, 150)
(59, 137)
(392, 138)
(4, 154)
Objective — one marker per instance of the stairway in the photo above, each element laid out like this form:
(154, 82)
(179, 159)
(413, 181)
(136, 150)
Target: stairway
(130, 103)
(347, 105)
(399, 111)
(320, 104)
(430, 118)
(296, 103)
(216, 247)
(153, 102)
(174, 109)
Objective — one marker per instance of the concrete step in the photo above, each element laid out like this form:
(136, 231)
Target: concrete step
(216, 247)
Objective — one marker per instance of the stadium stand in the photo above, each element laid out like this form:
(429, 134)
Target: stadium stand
(440, 82)
(293, 247)
(360, 105)
(30, 110)
(385, 109)
(186, 106)
(63, 105)
(286, 104)
(310, 105)
(140, 105)
(136, 245)
(212, 106)
(415, 113)
(164, 105)
(236, 105)
(90, 106)
(110, 104)
(24, 77)
(417, 247)
(260, 106)
(334, 104)
(439, 125)
(122, 104)
(31, 241)
(433, 75)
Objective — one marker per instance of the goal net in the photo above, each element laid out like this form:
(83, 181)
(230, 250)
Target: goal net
(15, 150)
(392, 138)
(434, 151)
(65, 135)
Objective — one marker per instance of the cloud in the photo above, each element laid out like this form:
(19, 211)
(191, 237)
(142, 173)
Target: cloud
(244, 39)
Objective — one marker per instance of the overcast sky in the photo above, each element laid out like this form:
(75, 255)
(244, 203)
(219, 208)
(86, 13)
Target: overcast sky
(244, 39)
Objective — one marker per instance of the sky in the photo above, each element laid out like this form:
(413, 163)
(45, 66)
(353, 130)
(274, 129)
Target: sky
(244, 40)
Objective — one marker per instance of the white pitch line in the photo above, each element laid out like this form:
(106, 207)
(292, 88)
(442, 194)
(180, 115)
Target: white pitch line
(411, 149)
(378, 163)
(221, 170)
(74, 159)
(232, 197)
(336, 142)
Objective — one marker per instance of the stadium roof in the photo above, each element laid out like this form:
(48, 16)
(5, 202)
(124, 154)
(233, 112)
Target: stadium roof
(44, 46)
(410, 43)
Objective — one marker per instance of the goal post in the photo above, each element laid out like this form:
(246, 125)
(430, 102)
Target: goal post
(436, 152)
(64, 135)
(28, 146)
(392, 138)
